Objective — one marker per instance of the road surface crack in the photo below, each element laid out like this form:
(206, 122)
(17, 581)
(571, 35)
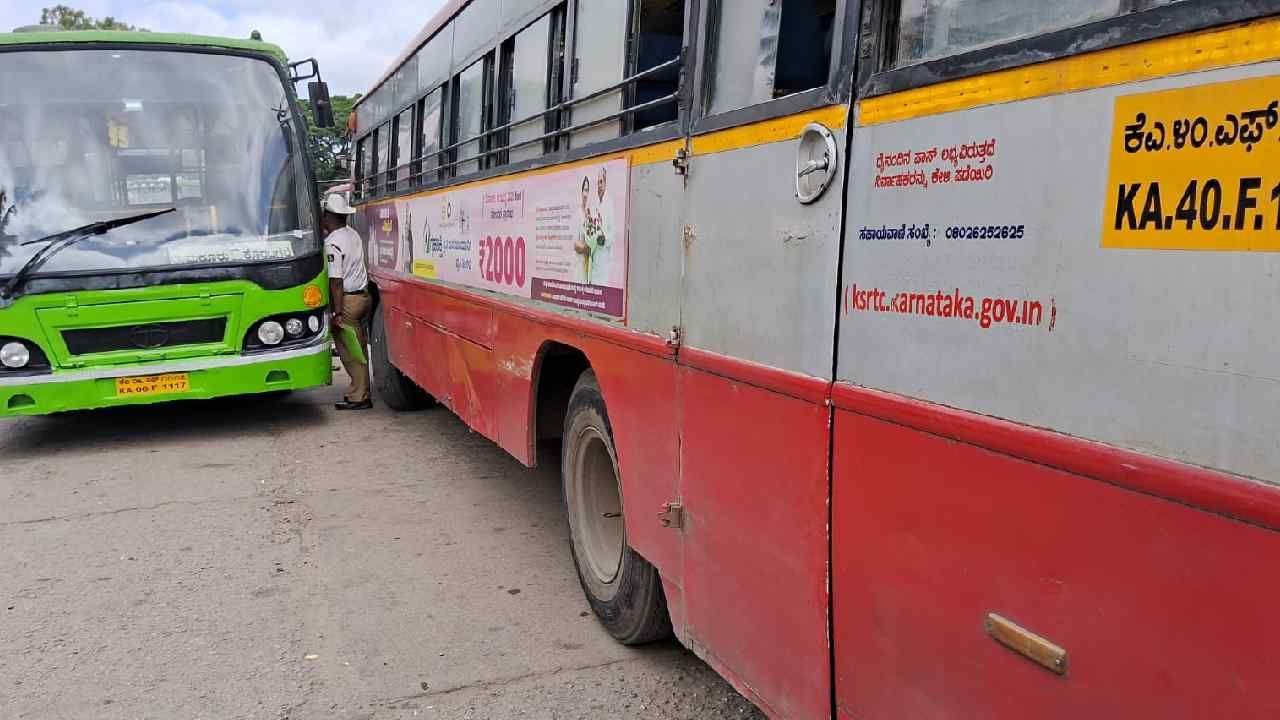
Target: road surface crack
(502, 682)
(134, 508)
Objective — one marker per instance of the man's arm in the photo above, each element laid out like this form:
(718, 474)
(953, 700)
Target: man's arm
(336, 294)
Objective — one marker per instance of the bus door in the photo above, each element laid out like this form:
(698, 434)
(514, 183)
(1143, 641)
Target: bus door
(1055, 456)
(760, 254)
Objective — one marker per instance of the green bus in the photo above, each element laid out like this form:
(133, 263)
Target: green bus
(158, 221)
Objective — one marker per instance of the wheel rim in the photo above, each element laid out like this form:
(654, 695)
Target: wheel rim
(598, 508)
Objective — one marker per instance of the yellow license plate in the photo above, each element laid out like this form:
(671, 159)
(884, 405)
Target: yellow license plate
(152, 385)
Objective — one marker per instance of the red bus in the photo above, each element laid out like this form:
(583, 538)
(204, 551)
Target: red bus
(910, 358)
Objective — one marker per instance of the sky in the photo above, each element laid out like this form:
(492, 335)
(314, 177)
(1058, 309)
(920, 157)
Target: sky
(354, 47)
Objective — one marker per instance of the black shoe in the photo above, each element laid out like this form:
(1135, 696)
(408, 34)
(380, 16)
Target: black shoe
(348, 405)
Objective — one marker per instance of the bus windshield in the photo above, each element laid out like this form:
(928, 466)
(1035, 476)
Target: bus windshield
(97, 134)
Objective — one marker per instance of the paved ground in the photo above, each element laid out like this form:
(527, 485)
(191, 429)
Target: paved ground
(229, 560)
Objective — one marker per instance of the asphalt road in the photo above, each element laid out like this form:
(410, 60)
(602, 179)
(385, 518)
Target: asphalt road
(237, 559)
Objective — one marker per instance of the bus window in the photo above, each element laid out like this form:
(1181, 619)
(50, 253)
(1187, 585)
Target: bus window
(402, 152)
(659, 38)
(429, 135)
(382, 152)
(406, 82)
(357, 167)
(364, 117)
(526, 66)
(599, 59)
(614, 43)
(473, 29)
(768, 50)
(804, 64)
(472, 92)
(381, 101)
(364, 164)
(930, 29)
(433, 59)
(513, 10)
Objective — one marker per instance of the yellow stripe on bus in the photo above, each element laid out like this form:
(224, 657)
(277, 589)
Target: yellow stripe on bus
(647, 155)
(660, 153)
(769, 131)
(1239, 44)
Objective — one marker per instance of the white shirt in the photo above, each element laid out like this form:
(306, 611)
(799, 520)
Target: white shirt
(602, 254)
(346, 259)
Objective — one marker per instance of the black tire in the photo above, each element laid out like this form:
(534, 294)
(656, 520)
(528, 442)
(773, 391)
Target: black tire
(389, 384)
(623, 589)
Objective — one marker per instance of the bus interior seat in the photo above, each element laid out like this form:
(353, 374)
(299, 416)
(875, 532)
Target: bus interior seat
(802, 63)
(659, 38)
(656, 49)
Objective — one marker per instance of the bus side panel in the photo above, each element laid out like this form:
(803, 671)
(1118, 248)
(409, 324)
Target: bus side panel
(1165, 611)
(639, 392)
(456, 370)
(406, 344)
(754, 469)
(468, 320)
(655, 247)
(992, 265)
(495, 392)
(469, 380)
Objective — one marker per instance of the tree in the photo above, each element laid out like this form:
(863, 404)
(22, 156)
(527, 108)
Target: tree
(326, 144)
(69, 18)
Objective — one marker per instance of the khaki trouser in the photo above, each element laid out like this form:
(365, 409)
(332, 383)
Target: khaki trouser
(355, 309)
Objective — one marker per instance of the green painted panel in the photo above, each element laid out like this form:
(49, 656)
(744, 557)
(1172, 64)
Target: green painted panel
(261, 377)
(40, 318)
(177, 40)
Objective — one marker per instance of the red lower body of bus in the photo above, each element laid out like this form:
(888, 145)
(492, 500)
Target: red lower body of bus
(839, 535)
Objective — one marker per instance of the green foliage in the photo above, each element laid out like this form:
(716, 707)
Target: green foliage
(326, 144)
(69, 18)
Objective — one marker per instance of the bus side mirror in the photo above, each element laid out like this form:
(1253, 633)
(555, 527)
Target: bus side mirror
(321, 107)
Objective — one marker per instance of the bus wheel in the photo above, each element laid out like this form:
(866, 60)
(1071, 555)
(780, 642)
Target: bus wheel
(623, 588)
(391, 385)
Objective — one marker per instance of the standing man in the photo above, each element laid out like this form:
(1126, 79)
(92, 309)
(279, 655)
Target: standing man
(601, 268)
(348, 295)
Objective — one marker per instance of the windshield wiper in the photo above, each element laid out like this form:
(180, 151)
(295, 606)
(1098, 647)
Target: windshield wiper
(59, 242)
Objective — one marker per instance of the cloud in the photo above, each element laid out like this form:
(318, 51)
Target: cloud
(354, 42)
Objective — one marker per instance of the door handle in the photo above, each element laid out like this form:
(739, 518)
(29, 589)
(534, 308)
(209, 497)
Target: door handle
(817, 158)
(814, 166)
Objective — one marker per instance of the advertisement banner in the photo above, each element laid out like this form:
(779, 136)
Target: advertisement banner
(558, 237)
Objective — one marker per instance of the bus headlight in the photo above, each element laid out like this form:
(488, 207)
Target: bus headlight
(271, 333)
(313, 323)
(14, 355)
(294, 327)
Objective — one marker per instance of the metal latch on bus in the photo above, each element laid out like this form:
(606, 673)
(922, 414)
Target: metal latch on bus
(681, 162)
(672, 515)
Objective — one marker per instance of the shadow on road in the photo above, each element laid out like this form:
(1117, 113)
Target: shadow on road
(158, 425)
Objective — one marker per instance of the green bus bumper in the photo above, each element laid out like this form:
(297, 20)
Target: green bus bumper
(207, 377)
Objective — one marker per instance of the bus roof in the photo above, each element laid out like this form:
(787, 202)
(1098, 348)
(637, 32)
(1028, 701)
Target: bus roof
(438, 21)
(140, 38)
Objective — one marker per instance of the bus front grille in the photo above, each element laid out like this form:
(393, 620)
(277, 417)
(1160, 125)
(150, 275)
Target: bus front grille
(149, 336)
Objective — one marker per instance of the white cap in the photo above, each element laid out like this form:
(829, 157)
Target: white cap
(337, 204)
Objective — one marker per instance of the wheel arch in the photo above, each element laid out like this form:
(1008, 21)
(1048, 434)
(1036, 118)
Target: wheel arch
(556, 369)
